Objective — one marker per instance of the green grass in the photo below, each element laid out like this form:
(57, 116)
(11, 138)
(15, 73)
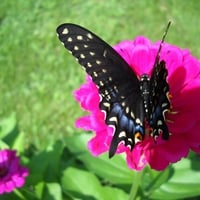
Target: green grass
(37, 75)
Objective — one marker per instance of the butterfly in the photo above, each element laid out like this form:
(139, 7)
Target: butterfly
(130, 104)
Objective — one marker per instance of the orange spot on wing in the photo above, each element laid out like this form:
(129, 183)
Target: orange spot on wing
(138, 137)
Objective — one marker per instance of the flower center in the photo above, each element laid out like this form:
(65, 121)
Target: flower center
(3, 171)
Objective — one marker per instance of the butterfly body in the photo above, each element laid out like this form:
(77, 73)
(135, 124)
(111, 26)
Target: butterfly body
(129, 103)
(145, 93)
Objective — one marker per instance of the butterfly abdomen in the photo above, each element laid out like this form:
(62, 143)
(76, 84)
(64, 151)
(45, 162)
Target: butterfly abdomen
(145, 93)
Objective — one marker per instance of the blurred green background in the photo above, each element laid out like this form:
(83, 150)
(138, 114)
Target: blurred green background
(38, 76)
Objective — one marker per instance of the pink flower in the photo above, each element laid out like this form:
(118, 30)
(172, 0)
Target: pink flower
(183, 120)
(11, 173)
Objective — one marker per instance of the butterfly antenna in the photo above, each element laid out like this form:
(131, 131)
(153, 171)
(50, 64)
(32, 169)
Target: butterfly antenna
(162, 41)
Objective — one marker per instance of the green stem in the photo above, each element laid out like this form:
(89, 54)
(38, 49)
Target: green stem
(135, 185)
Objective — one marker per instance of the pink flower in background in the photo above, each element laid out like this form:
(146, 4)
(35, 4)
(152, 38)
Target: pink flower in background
(12, 175)
(183, 120)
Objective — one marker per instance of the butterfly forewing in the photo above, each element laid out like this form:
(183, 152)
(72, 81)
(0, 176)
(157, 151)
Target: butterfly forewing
(117, 83)
(94, 54)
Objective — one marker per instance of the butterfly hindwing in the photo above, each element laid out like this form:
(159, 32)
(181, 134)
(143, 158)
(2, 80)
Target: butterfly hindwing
(117, 84)
(159, 98)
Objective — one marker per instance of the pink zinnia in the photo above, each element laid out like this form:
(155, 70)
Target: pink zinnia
(12, 175)
(183, 119)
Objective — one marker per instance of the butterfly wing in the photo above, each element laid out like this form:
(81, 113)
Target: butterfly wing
(117, 84)
(159, 99)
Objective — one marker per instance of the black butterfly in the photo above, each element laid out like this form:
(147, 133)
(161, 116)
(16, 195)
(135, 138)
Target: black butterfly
(128, 102)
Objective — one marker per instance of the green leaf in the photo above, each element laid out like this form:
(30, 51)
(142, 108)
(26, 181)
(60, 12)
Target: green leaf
(19, 194)
(184, 182)
(39, 188)
(53, 191)
(85, 185)
(81, 182)
(114, 170)
(7, 125)
(113, 194)
(37, 166)
(19, 142)
(152, 179)
(11, 137)
(54, 153)
(46, 164)
(3, 145)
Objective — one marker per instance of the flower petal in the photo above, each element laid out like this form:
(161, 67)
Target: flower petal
(136, 159)
(160, 156)
(97, 145)
(13, 175)
(84, 123)
(88, 96)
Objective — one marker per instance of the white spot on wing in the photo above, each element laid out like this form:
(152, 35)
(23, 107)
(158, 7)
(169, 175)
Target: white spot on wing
(123, 104)
(127, 110)
(138, 121)
(82, 56)
(122, 134)
(132, 115)
(89, 64)
(76, 48)
(130, 140)
(101, 83)
(104, 53)
(92, 53)
(69, 39)
(89, 36)
(106, 104)
(159, 122)
(113, 119)
(65, 31)
(115, 88)
(98, 62)
(164, 105)
(95, 74)
(79, 37)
